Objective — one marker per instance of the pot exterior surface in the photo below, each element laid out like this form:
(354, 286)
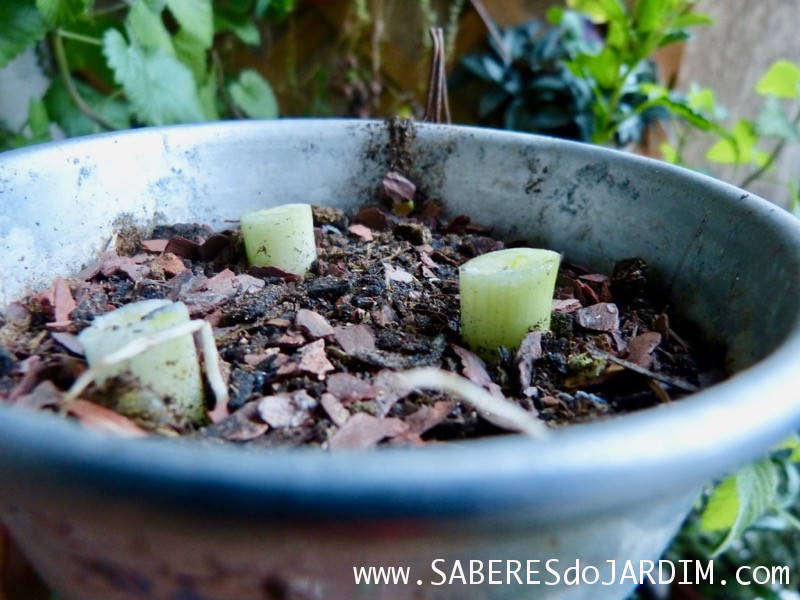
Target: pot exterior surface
(163, 512)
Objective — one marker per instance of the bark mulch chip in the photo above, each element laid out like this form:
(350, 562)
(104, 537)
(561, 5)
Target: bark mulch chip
(311, 360)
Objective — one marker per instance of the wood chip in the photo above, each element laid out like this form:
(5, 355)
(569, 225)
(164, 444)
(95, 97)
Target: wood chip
(363, 431)
(183, 247)
(213, 246)
(398, 187)
(154, 246)
(428, 416)
(354, 338)
(286, 410)
(111, 264)
(249, 284)
(62, 300)
(474, 369)
(641, 347)
(566, 305)
(603, 316)
(349, 388)
(393, 273)
(169, 264)
(372, 217)
(312, 324)
(100, 418)
(362, 231)
(314, 361)
(30, 368)
(243, 425)
(530, 350)
(267, 272)
(335, 409)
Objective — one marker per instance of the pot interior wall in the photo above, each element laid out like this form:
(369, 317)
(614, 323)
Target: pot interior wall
(709, 252)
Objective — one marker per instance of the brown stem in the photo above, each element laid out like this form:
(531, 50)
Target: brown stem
(483, 13)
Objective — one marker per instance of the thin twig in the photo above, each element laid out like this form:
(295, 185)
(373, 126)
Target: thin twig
(437, 82)
(63, 70)
(490, 25)
(673, 381)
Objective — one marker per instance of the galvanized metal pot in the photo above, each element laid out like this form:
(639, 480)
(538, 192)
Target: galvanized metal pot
(106, 518)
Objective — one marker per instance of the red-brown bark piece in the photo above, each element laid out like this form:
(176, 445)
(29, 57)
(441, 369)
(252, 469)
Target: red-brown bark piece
(183, 247)
(566, 305)
(603, 316)
(372, 217)
(398, 187)
(641, 347)
(100, 418)
(363, 431)
(312, 324)
(62, 300)
(428, 416)
(530, 350)
(154, 246)
(314, 361)
(349, 388)
(474, 369)
(286, 410)
(362, 231)
(334, 408)
(169, 263)
(354, 338)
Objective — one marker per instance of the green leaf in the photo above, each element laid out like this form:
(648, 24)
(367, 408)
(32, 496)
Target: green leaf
(773, 122)
(208, 97)
(740, 500)
(22, 26)
(781, 80)
(190, 52)
(599, 11)
(737, 148)
(68, 116)
(669, 153)
(196, 17)
(62, 12)
(604, 67)
(160, 88)
(254, 96)
(702, 99)
(146, 27)
(692, 19)
(240, 26)
(38, 121)
(274, 9)
(650, 14)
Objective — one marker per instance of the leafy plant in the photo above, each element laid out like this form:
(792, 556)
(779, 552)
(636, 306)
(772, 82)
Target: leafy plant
(527, 84)
(588, 77)
(752, 146)
(143, 62)
(620, 71)
(748, 520)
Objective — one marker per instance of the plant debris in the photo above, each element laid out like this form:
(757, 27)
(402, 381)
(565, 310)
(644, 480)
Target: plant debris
(313, 360)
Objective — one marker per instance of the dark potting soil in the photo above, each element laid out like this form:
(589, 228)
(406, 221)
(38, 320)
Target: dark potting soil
(311, 360)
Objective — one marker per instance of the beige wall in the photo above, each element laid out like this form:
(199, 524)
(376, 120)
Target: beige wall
(730, 57)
